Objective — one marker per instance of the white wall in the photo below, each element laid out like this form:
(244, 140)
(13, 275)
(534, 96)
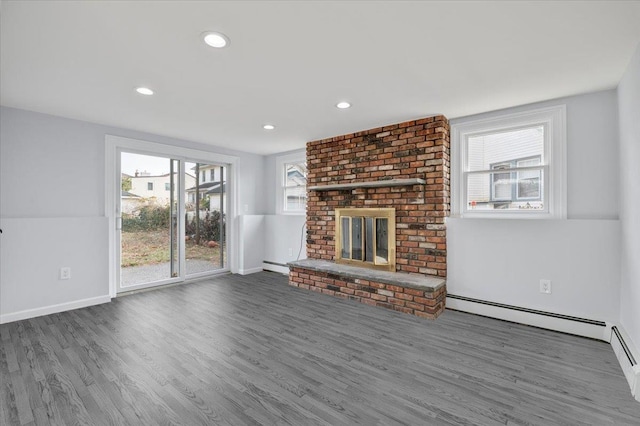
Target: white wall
(270, 183)
(629, 113)
(251, 229)
(281, 232)
(502, 260)
(53, 167)
(284, 240)
(275, 239)
(33, 250)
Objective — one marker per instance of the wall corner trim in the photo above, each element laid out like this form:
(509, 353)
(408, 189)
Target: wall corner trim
(54, 309)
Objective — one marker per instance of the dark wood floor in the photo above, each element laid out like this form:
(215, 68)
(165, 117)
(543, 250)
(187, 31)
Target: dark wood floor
(252, 350)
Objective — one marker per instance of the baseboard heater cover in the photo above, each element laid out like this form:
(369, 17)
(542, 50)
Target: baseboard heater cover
(624, 346)
(529, 311)
(274, 263)
(277, 267)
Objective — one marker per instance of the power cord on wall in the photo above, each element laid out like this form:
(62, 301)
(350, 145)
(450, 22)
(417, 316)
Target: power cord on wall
(304, 224)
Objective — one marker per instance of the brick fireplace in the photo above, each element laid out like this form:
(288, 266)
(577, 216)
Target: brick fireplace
(402, 166)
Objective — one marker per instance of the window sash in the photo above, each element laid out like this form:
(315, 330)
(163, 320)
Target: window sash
(506, 170)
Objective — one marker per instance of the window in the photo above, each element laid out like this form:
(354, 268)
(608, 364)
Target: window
(292, 184)
(212, 175)
(510, 166)
(167, 186)
(295, 186)
(203, 174)
(149, 186)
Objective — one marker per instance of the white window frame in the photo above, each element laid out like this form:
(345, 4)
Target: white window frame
(553, 161)
(281, 162)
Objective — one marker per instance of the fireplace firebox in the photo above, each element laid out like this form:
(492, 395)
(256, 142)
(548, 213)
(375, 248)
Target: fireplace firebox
(366, 237)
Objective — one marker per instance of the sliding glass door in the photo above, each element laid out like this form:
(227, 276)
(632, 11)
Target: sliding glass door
(205, 248)
(171, 220)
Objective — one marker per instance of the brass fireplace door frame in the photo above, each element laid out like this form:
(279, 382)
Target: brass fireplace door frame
(375, 213)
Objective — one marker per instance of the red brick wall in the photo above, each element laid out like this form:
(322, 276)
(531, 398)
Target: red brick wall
(425, 304)
(414, 149)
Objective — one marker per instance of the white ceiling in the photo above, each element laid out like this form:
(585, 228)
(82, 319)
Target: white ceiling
(290, 62)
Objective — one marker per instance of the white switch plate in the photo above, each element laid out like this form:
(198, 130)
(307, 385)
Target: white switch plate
(65, 273)
(545, 286)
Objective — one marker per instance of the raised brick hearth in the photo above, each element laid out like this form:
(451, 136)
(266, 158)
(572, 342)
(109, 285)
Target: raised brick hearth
(417, 150)
(420, 295)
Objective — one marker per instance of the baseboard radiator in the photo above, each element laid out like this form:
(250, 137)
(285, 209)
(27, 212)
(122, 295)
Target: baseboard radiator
(626, 353)
(615, 334)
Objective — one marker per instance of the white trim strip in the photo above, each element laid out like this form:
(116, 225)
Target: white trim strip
(250, 271)
(53, 309)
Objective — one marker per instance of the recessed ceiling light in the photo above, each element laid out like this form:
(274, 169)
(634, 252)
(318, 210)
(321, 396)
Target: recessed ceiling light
(217, 40)
(343, 105)
(268, 127)
(144, 91)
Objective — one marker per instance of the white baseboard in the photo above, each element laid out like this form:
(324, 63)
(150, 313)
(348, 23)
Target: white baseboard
(536, 319)
(53, 309)
(275, 268)
(628, 357)
(249, 271)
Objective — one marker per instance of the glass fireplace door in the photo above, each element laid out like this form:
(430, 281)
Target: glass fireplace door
(366, 237)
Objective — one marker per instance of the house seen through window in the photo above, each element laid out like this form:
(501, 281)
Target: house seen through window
(505, 170)
(295, 187)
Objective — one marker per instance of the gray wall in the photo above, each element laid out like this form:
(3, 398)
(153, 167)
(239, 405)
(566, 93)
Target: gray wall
(53, 167)
(629, 111)
(502, 260)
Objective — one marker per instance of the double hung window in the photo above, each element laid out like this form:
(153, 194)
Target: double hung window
(292, 184)
(510, 166)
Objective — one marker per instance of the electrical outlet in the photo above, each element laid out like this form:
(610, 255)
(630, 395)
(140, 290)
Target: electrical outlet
(290, 252)
(65, 273)
(545, 286)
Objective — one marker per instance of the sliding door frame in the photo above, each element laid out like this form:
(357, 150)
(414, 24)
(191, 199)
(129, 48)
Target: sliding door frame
(114, 146)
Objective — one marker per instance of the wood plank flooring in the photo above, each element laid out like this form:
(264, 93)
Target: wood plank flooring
(254, 351)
